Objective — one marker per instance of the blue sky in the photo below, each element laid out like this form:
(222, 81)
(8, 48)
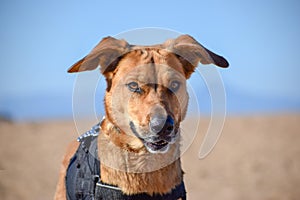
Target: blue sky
(41, 39)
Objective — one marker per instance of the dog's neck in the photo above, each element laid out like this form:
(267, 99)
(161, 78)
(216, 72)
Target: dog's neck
(127, 164)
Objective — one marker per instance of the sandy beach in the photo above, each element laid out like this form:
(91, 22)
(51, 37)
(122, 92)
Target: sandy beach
(255, 158)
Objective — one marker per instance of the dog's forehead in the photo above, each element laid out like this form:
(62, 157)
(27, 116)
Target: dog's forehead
(147, 64)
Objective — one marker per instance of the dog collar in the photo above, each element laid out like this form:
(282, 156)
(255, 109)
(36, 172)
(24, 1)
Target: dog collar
(94, 131)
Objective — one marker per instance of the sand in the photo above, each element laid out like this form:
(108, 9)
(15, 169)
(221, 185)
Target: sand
(255, 158)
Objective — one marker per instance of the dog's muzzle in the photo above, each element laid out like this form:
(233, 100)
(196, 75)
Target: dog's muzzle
(162, 133)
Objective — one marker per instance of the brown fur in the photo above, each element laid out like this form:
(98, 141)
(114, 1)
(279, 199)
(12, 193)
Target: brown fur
(125, 162)
(133, 164)
(132, 65)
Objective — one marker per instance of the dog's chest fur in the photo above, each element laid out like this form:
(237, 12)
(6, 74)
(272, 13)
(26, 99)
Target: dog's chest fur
(139, 172)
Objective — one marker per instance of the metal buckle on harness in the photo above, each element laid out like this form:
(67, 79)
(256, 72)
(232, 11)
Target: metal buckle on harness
(107, 186)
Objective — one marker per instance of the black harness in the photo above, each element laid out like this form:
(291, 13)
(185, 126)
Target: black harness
(83, 180)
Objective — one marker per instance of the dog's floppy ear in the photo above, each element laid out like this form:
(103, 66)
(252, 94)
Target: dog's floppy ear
(191, 52)
(105, 54)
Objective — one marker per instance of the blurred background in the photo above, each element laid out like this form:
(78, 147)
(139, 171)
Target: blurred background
(40, 40)
(257, 156)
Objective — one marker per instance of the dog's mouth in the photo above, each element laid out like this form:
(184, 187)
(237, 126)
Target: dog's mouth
(156, 144)
(160, 146)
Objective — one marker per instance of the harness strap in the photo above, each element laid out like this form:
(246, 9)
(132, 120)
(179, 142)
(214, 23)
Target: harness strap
(83, 170)
(104, 191)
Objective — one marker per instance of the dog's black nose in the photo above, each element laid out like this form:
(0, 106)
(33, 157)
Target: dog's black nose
(160, 124)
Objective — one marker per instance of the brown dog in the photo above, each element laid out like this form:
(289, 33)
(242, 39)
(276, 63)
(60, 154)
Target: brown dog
(145, 102)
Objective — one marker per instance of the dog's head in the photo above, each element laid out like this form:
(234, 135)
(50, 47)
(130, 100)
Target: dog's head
(146, 96)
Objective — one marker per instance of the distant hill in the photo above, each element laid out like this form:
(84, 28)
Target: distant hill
(5, 117)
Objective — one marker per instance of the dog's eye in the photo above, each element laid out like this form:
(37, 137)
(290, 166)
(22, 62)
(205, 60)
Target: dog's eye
(174, 86)
(133, 87)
